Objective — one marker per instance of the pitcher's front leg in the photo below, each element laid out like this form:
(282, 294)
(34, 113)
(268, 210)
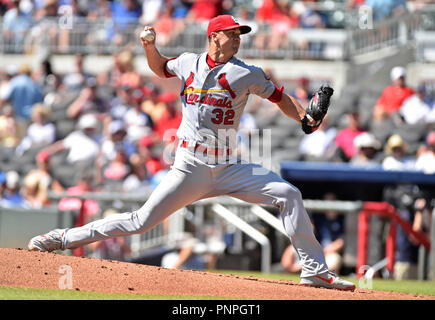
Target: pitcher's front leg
(176, 190)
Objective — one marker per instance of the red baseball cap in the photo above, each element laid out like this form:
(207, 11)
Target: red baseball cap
(225, 22)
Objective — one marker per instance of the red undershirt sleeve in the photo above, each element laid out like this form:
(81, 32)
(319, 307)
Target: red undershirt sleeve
(165, 71)
(276, 95)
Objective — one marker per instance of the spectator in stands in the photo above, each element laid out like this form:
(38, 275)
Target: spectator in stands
(120, 103)
(9, 133)
(310, 18)
(319, 146)
(5, 79)
(85, 184)
(2, 184)
(184, 257)
(110, 249)
(151, 10)
(40, 133)
(277, 18)
(125, 15)
(181, 8)
(113, 74)
(404, 199)
(111, 176)
(139, 179)
(30, 193)
(367, 154)
(88, 102)
(154, 163)
(396, 158)
(426, 156)
(430, 117)
(16, 24)
(303, 91)
(193, 254)
(406, 264)
(45, 29)
(99, 32)
(138, 123)
(45, 8)
(81, 144)
(355, 4)
(415, 109)
(204, 10)
(384, 9)
(45, 77)
(392, 96)
(129, 75)
(114, 137)
(152, 104)
(99, 9)
(167, 27)
(171, 116)
(12, 197)
(23, 93)
(344, 141)
(41, 180)
(76, 80)
(329, 230)
(264, 16)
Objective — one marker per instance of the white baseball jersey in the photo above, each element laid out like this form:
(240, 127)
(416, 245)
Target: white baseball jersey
(214, 98)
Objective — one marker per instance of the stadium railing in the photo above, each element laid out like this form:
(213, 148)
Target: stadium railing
(105, 37)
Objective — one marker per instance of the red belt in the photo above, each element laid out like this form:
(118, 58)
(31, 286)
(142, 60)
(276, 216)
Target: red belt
(206, 150)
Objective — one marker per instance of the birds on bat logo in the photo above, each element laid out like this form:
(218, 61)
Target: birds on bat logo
(193, 95)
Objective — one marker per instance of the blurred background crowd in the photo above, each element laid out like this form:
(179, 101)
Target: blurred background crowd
(28, 24)
(112, 131)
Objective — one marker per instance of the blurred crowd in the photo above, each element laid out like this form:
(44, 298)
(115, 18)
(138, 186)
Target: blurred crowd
(398, 135)
(25, 27)
(54, 128)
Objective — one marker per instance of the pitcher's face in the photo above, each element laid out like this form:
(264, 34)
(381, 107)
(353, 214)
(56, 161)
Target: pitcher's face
(229, 40)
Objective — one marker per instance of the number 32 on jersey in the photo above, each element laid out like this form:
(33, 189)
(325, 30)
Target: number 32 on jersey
(221, 116)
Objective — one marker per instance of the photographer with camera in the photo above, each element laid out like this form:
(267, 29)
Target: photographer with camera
(415, 206)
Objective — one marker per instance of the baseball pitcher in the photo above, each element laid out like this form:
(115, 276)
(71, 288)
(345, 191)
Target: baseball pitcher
(215, 87)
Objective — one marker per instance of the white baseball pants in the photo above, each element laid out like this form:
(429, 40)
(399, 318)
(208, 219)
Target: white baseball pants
(191, 179)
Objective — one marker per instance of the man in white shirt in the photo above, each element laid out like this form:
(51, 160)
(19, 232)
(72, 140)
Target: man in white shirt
(81, 143)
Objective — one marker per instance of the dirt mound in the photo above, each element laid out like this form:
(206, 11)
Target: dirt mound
(22, 268)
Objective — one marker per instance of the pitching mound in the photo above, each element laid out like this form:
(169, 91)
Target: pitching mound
(22, 268)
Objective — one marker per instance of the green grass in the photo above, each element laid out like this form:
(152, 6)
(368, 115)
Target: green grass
(14, 293)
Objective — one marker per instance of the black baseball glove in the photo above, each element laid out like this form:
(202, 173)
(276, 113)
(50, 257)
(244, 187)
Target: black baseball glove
(317, 108)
